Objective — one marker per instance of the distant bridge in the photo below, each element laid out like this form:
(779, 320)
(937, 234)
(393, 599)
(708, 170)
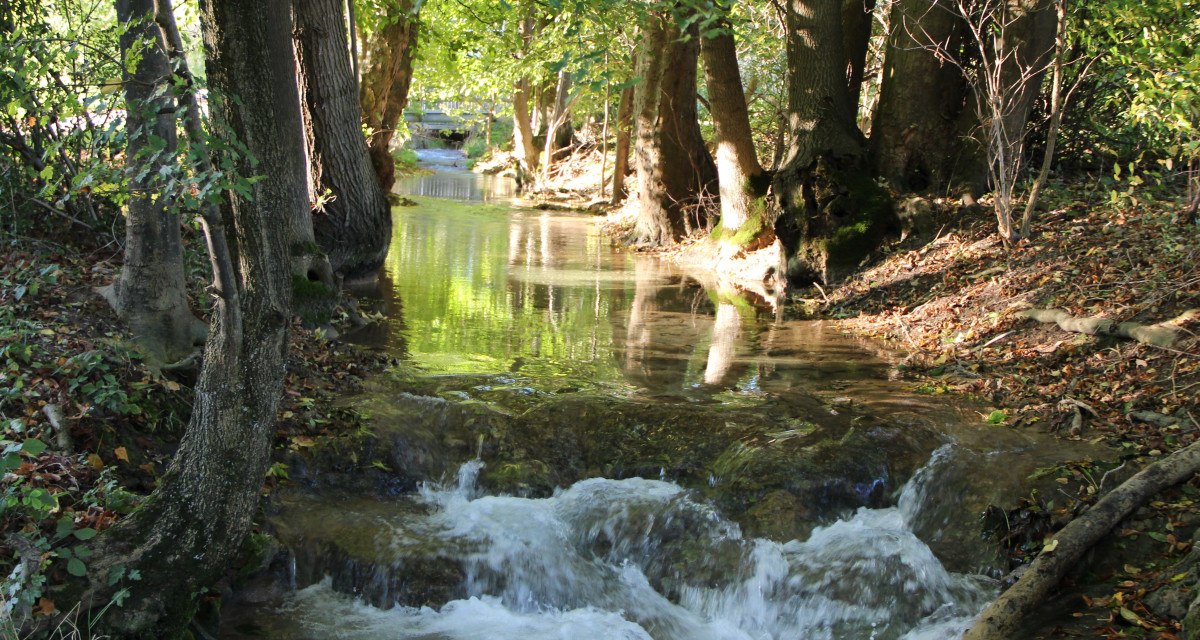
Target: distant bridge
(438, 117)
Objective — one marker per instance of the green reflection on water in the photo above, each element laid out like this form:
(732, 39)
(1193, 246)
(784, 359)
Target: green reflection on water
(488, 289)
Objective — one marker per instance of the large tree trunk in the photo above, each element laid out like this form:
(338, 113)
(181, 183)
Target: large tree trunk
(624, 137)
(674, 169)
(184, 536)
(914, 137)
(1020, 34)
(833, 213)
(743, 183)
(353, 226)
(150, 293)
(390, 52)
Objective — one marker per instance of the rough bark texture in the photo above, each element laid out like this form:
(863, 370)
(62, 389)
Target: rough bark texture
(354, 225)
(856, 39)
(390, 51)
(674, 169)
(914, 136)
(184, 536)
(832, 212)
(743, 184)
(624, 138)
(150, 294)
(1002, 619)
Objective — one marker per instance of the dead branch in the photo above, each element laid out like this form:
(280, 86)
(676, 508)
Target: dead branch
(1163, 334)
(1002, 619)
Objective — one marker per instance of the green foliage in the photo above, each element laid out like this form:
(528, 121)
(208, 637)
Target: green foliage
(58, 133)
(406, 158)
(1141, 101)
(475, 147)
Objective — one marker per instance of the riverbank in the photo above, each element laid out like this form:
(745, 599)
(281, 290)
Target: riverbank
(954, 305)
(89, 428)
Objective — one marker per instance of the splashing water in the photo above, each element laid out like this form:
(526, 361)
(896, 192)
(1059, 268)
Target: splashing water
(636, 558)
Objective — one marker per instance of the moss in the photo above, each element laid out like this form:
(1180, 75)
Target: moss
(858, 214)
(746, 234)
(312, 300)
(300, 249)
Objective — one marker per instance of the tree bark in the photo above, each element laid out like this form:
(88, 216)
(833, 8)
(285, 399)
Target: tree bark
(743, 183)
(523, 144)
(353, 227)
(183, 537)
(558, 115)
(624, 138)
(914, 136)
(675, 171)
(833, 213)
(856, 38)
(384, 92)
(150, 292)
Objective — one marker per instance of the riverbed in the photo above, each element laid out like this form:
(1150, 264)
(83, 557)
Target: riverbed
(582, 441)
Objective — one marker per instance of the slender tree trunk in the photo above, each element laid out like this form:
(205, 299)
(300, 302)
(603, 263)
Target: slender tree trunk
(384, 91)
(184, 536)
(743, 183)
(674, 169)
(352, 29)
(624, 138)
(353, 226)
(914, 137)
(526, 149)
(150, 292)
(604, 136)
(833, 213)
(856, 38)
(523, 144)
(558, 115)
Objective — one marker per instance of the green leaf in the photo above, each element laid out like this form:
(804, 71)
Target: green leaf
(997, 417)
(64, 527)
(86, 534)
(1161, 537)
(76, 568)
(33, 447)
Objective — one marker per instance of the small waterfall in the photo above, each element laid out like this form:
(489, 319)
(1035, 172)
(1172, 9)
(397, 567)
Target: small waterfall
(638, 558)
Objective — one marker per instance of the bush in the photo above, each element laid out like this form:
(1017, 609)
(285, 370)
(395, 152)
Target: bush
(475, 147)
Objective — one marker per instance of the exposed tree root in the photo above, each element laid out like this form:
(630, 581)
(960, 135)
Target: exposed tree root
(1002, 619)
(1163, 334)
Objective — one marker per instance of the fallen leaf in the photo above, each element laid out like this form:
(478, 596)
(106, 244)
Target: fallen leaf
(121, 454)
(45, 607)
(95, 461)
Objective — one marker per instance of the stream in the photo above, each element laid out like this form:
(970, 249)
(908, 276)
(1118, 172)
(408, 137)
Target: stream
(584, 442)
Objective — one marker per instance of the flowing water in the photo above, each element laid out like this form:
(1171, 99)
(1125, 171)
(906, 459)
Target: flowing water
(604, 448)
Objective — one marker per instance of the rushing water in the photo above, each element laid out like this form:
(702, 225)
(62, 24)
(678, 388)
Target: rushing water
(637, 558)
(534, 316)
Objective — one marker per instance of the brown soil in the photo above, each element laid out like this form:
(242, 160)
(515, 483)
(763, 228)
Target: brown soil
(952, 304)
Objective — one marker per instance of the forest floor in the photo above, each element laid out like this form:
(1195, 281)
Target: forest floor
(952, 303)
(65, 359)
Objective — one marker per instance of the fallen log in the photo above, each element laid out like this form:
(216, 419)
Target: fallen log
(1002, 618)
(1162, 334)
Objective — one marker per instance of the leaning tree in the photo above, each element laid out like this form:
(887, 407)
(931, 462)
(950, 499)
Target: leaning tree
(183, 537)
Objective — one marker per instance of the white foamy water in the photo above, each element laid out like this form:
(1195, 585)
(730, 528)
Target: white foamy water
(636, 558)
